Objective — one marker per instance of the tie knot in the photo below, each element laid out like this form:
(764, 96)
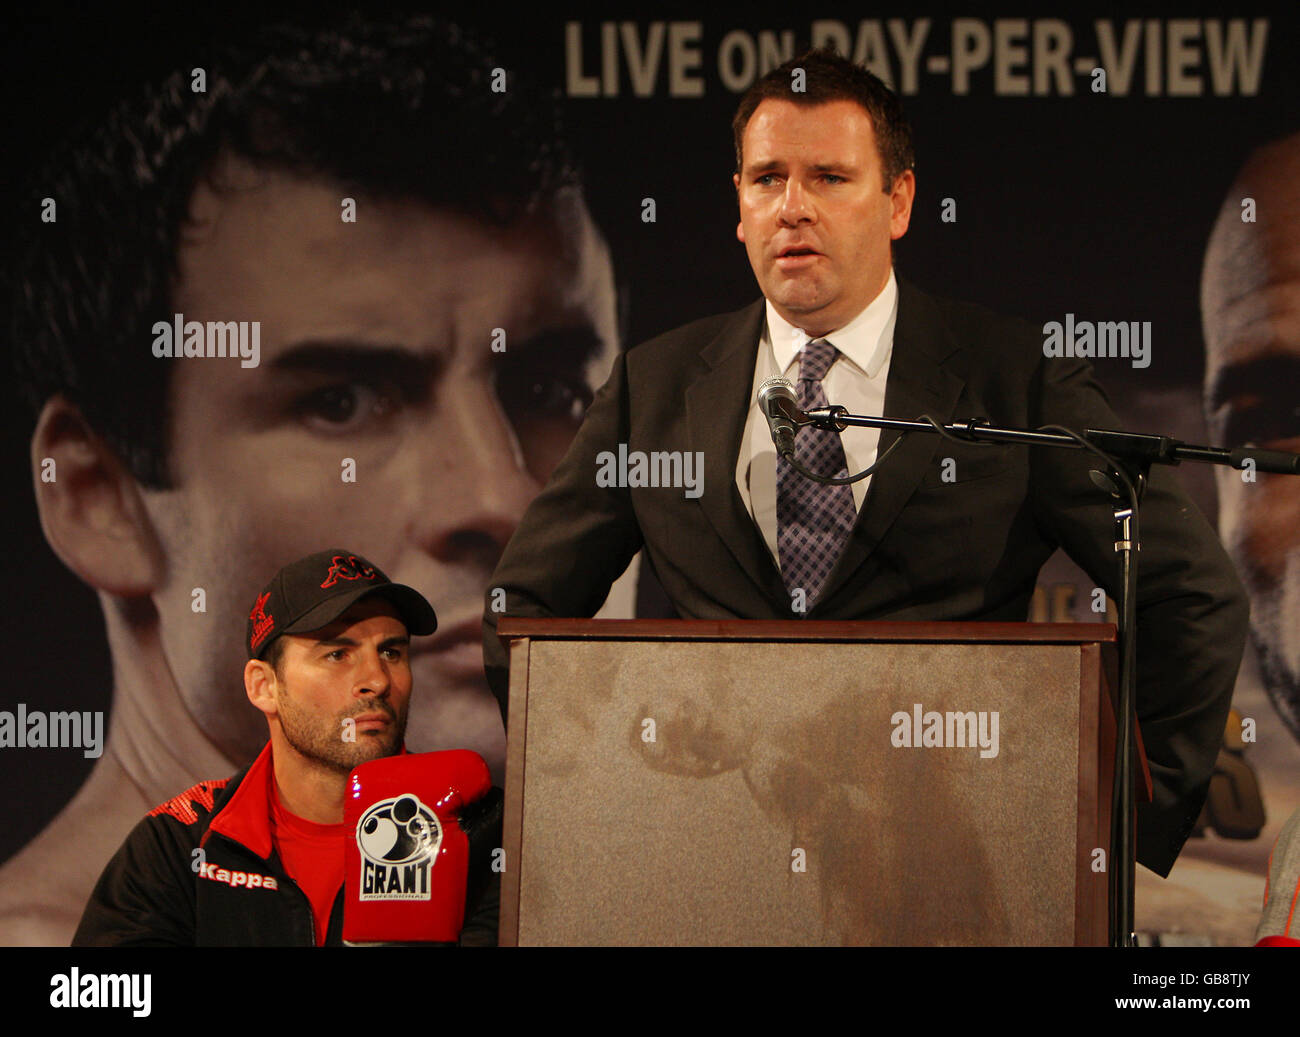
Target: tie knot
(816, 360)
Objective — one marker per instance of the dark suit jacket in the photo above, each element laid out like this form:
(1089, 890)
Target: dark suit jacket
(923, 548)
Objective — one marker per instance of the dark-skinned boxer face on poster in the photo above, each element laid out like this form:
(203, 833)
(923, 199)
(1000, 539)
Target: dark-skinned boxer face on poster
(1250, 297)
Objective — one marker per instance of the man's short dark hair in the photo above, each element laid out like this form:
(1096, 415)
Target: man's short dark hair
(275, 656)
(830, 77)
(387, 108)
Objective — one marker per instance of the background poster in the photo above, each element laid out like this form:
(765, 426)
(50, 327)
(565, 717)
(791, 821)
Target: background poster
(1038, 195)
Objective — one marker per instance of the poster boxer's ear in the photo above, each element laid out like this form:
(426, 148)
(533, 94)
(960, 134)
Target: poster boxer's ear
(90, 506)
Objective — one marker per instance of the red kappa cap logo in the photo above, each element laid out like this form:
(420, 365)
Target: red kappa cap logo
(262, 623)
(347, 567)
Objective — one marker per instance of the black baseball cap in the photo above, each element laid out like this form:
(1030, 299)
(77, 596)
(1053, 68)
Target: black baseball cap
(314, 591)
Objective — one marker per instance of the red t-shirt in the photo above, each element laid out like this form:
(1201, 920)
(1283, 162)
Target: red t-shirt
(312, 854)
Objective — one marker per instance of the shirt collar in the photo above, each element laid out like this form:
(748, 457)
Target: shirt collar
(866, 340)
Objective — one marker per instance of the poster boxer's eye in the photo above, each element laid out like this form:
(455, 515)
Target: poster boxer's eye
(547, 378)
(547, 395)
(344, 407)
(1269, 424)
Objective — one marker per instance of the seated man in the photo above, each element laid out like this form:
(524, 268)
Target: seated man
(259, 858)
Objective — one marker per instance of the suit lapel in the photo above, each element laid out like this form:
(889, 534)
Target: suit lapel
(717, 404)
(919, 383)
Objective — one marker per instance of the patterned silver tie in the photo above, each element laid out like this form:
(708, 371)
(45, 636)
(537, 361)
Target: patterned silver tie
(814, 522)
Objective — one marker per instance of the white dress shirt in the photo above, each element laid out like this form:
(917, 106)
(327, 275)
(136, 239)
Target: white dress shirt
(856, 381)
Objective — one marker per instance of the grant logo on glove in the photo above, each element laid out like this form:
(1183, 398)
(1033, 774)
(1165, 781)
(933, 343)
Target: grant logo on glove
(407, 871)
(399, 839)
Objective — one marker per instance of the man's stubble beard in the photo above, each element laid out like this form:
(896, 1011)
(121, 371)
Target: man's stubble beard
(322, 739)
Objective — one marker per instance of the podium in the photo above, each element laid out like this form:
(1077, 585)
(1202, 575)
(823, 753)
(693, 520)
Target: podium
(808, 783)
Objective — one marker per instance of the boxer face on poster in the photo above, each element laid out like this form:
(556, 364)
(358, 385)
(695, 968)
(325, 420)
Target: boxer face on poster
(376, 361)
(433, 306)
(1250, 301)
(422, 366)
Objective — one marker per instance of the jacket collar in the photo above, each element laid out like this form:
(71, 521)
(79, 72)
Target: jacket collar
(246, 815)
(921, 381)
(716, 405)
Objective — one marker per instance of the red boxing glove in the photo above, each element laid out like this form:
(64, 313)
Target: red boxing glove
(408, 854)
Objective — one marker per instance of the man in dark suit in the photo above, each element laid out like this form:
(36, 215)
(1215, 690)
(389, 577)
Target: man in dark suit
(944, 530)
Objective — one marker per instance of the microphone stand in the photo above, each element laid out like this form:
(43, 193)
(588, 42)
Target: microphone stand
(1128, 457)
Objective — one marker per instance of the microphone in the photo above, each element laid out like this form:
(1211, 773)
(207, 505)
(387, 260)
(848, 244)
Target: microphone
(777, 401)
(421, 826)
(1282, 462)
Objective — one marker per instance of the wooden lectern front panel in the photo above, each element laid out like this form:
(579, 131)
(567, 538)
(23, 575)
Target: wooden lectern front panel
(892, 794)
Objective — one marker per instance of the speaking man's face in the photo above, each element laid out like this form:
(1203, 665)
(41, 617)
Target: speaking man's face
(814, 216)
(1250, 300)
(420, 375)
